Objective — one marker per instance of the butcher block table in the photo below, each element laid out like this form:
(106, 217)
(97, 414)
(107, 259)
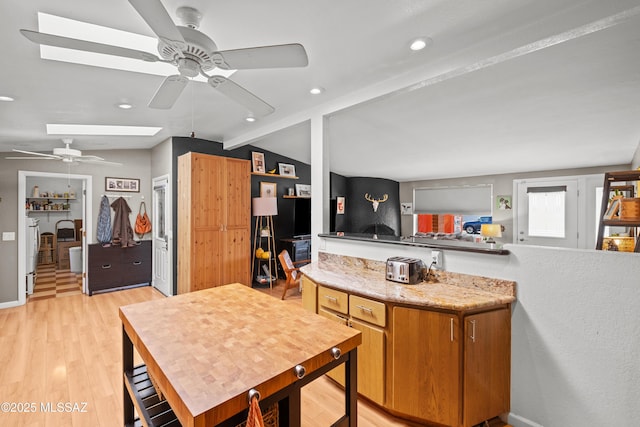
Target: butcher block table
(203, 352)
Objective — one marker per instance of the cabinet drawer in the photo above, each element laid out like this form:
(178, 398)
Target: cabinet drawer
(136, 272)
(333, 300)
(367, 310)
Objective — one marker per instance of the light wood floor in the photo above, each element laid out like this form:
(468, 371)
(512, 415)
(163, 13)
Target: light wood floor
(68, 350)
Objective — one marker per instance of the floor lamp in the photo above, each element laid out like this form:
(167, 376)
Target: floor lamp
(264, 208)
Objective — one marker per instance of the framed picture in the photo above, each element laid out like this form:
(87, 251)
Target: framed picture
(303, 190)
(613, 209)
(286, 169)
(130, 185)
(257, 162)
(406, 208)
(340, 205)
(503, 202)
(268, 189)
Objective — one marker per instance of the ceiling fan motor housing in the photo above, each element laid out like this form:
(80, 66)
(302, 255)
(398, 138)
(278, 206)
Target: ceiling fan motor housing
(198, 49)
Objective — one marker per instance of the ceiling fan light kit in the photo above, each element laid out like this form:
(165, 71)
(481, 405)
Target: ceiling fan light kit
(192, 53)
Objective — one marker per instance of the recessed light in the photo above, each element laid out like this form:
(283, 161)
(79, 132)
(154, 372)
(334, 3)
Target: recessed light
(6, 98)
(316, 91)
(250, 119)
(69, 129)
(125, 106)
(420, 43)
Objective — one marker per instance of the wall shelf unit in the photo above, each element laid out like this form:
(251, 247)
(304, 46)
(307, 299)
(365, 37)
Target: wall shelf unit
(295, 197)
(627, 178)
(274, 175)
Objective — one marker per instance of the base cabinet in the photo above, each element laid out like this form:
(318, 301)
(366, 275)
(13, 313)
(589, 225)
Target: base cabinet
(426, 368)
(366, 316)
(114, 267)
(445, 368)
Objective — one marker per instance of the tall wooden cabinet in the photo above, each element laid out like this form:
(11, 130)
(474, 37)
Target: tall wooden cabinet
(214, 221)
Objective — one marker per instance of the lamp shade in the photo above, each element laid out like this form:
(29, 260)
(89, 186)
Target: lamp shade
(491, 230)
(265, 206)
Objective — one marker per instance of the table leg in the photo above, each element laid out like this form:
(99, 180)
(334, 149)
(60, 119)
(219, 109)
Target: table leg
(127, 366)
(351, 388)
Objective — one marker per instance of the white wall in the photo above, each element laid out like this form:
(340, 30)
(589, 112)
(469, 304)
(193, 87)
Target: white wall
(575, 352)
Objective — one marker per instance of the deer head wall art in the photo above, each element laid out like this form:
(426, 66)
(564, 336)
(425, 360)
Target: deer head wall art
(376, 202)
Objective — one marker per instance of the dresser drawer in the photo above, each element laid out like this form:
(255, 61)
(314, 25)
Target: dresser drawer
(137, 271)
(367, 310)
(333, 300)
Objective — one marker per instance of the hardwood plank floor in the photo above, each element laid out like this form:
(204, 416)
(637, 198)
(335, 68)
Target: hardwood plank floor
(68, 350)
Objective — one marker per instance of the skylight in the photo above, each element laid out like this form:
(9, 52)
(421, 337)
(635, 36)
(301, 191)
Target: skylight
(66, 27)
(71, 129)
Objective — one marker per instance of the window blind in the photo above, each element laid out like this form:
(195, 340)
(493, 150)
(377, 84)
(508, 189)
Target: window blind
(467, 200)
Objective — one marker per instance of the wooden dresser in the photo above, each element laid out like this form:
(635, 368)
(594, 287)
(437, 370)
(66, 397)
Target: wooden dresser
(115, 267)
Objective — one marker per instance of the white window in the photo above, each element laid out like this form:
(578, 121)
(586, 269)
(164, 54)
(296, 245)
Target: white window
(547, 206)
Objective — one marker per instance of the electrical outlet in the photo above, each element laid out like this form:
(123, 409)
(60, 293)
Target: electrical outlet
(436, 259)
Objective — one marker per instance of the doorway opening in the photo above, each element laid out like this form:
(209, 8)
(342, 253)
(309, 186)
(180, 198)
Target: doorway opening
(57, 203)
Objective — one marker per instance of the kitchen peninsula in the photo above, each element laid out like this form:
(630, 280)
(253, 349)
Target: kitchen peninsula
(432, 352)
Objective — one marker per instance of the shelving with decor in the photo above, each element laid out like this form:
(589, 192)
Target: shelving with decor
(33, 204)
(620, 211)
(274, 175)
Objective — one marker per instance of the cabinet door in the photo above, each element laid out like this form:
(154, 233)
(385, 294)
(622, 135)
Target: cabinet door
(207, 204)
(370, 361)
(487, 368)
(309, 294)
(205, 262)
(337, 374)
(235, 263)
(238, 194)
(426, 365)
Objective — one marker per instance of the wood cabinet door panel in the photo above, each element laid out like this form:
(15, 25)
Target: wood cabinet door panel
(337, 374)
(207, 192)
(238, 194)
(205, 273)
(426, 365)
(309, 294)
(487, 361)
(236, 266)
(371, 361)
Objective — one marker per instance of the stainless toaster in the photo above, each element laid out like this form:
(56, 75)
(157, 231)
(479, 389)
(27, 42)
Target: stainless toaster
(404, 270)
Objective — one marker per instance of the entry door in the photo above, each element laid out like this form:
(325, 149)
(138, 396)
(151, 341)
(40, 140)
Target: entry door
(547, 213)
(161, 235)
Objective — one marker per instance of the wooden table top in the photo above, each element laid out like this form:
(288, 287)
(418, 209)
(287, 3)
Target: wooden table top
(207, 349)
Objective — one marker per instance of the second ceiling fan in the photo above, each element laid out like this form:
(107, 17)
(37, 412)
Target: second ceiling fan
(192, 52)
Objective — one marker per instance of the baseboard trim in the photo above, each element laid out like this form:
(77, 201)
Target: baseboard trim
(10, 304)
(518, 421)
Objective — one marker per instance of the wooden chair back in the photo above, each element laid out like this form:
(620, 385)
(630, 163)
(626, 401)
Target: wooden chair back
(291, 272)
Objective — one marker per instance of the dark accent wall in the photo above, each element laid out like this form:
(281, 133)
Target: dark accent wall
(359, 216)
(283, 223)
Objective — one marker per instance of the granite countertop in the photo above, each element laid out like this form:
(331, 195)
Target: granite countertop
(452, 291)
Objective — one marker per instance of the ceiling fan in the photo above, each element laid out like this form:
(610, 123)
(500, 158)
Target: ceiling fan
(66, 154)
(192, 52)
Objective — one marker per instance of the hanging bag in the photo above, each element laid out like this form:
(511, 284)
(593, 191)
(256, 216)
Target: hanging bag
(143, 224)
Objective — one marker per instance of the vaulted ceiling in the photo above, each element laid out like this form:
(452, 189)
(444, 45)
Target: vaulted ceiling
(504, 86)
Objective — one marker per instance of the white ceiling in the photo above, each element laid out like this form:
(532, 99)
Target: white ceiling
(506, 86)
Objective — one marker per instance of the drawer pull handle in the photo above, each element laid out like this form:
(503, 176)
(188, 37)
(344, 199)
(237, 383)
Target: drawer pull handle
(363, 308)
(336, 353)
(330, 298)
(137, 262)
(300, 371)
(105, 266)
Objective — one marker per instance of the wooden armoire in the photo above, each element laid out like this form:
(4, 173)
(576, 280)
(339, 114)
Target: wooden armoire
(214, 221)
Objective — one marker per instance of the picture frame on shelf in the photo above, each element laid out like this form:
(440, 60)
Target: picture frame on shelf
(286, 169)
(613, 208)
(127, 185)
(257, 162)
(303, 190)
(268, 189)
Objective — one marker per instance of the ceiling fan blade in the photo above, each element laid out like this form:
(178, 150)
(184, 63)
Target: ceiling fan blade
(168, 92)
(239, 94)
(97, 162)
(44, 155)
(158, 19)
(278, 56)
(69, 43)
(30, 158)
